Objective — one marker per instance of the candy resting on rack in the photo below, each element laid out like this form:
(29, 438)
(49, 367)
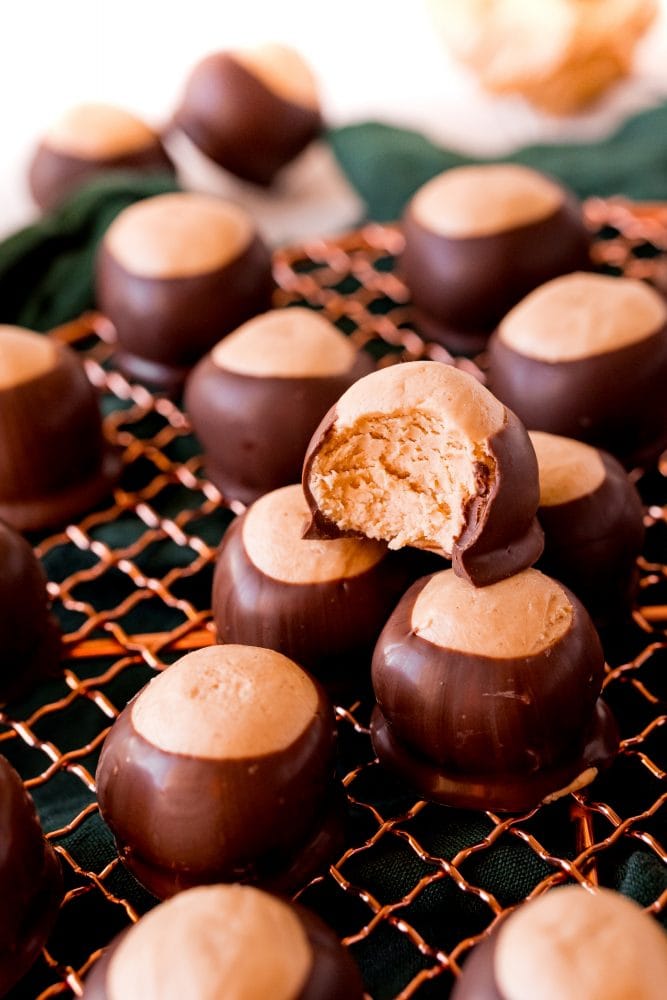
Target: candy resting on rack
(222, 769)
(225, 941)
(55, 463)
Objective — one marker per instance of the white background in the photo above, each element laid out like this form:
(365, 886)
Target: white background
(373, 58)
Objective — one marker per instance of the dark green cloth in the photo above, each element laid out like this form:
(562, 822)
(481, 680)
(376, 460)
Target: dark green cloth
(386, 165)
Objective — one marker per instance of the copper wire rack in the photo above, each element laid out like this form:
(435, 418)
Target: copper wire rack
(418, 884)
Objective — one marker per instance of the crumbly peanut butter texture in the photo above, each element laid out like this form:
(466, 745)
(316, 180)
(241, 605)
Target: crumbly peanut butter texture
(407, 452)
(228, 941)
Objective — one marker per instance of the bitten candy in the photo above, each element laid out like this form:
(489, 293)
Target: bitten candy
(322, 603)
(29, 635)
(421, 454)
(174, 274)
(55, 463)
(585, 356)
(570, 942)
(478, 239)
(251, 111)
(231, 941)
(88, 140)
(31, 886)
(489, 698)
(592, 518)
(256, 399)
(221, 769)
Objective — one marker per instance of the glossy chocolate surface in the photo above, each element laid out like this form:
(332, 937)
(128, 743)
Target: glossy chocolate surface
(463, 287)
(329, 628)
(478, 732)
(165, 325)
(29, 635)
(334, 975)
(614, 401)
(255, 430)
(273, 819)
(55, 463)
(236, 120)
(501, 535)
(30, 881)
(592, 543)
(54, 175)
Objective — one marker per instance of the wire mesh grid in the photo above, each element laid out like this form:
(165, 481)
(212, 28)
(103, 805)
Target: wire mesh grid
(418, 884)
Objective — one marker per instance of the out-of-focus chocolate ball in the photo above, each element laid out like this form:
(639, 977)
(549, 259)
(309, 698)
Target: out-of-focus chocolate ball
(256, 399)
(251, 111)
(55, 463)
(221, 769)
(478, 239)
(592, 518)
(175, 273)
(585, 356)
(421, 454)
(31, 886)
(29, 635)
(88, 140)
(570, 942)
(206, 943)
(488, 697)
(322, 603)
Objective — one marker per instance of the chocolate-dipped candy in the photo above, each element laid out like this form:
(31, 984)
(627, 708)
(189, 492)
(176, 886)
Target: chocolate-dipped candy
(55, 463)
(585, 356)
(570, 943)
(29, 635)
(221, 769)
(31, 887)
(175, 273)
(422, 454)
(88, 140)
(488, 698)
(257, 397)
(251, 111)
(206, 942)
(478, 239)
(322, 603)
(592, 518)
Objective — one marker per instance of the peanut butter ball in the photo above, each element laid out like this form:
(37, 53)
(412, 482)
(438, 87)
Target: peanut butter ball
(55, 463)
(221, 769)
(585, 356)
(88, 140)
(175, 273)
(421, 454)
(478, 239)
(251, 111)
(206, 941)
(488, 698)
(257, 397)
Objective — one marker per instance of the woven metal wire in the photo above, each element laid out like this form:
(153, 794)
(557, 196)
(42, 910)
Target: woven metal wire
(131, 585)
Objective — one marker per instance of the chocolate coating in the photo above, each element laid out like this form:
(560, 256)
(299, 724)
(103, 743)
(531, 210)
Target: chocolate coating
(55, 175)
(499, 534)
(591, 543)
(30, 881)
(29, 635)
(55, 462)
(255, 429)
(165, 324)
(328, 626)
(240, 122)
(476, 731)
(273, 818)
(462, 286)
(612, 400)
(333, 974)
